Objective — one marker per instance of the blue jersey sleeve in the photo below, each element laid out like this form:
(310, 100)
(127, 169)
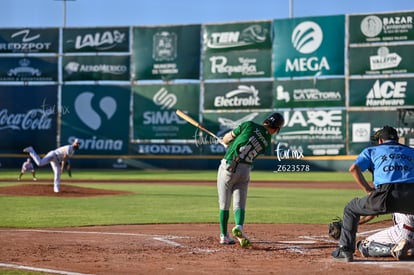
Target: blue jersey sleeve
(364, 159)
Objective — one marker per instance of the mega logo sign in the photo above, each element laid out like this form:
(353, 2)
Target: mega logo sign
(309, 46)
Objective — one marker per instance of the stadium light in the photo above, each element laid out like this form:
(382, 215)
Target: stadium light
(64, 11)
(291, 8)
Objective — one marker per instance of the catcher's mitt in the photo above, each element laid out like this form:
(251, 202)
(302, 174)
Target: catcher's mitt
(334, 228)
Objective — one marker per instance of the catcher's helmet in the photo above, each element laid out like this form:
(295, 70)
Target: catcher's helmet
(275, 121)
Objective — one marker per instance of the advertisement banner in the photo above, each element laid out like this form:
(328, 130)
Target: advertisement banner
(381, 60)
(29, 40)
(314, 132)
(166, 149)
(237, 36)
(309, 93)
(220, 123)
(167, 52)
(28, 69)
(28, 117)
(237, 95)
(237, 64)
(363, 124)
(309, 46)
(103, 39)
(96, 67)
(381, 27)
(99, 116)
(154, 109)
(388, 92)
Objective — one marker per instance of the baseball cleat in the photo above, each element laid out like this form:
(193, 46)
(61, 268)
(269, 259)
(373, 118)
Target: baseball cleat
(400, 250)
(225, 239)
(28, 149)
(240, 236)
(343, 254)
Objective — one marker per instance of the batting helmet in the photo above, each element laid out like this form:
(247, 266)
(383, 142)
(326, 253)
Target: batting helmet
(275, 121)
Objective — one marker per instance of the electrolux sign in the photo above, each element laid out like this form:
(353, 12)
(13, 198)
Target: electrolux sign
(309, 46)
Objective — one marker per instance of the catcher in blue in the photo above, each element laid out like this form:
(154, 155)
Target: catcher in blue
(245, 143)
(392, 165)
(57, 159)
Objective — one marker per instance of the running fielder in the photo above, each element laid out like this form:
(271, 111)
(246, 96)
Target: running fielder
(56, 158)
(245, 143)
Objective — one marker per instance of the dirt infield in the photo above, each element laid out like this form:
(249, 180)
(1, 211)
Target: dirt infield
(179, 248)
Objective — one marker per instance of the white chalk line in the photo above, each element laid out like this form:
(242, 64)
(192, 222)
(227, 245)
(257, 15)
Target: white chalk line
(32, 268)
(160, 238)
(167, 239)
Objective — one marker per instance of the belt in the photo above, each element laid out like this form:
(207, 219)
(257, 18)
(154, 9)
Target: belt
(409, 228)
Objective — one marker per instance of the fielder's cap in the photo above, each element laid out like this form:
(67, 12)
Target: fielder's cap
(76, 142)
(388, 133)
(275, 121)
(28, 159)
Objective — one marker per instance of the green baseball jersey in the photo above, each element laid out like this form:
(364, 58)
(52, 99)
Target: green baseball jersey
(251, 140)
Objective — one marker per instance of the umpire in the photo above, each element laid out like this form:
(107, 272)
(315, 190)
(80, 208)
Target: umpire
(392, 164)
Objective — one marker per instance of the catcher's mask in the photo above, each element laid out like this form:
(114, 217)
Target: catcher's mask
(275, 121)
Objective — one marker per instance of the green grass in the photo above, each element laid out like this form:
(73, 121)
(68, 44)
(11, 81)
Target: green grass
(165, 203)
(46, 173)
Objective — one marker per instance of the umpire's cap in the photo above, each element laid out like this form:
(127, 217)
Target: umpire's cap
(275, 121)
(388, 133)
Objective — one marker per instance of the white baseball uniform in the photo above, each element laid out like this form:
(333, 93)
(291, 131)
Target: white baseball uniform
(403, 228)
(55, 158)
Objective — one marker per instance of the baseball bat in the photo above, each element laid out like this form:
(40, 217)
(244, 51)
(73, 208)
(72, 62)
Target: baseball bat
(198, 125)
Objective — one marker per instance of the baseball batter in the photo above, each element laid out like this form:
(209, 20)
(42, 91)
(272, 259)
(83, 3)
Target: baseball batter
(26, 167)
(245, 143)
(56, 158)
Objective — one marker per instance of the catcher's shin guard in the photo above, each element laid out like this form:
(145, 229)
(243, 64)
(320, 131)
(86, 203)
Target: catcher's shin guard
(375, 249)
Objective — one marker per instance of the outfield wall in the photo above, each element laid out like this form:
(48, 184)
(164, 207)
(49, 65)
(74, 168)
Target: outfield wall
(117, 88)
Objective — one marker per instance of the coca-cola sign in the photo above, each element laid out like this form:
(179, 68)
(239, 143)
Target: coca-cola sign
(28, 117)
(34, 119)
